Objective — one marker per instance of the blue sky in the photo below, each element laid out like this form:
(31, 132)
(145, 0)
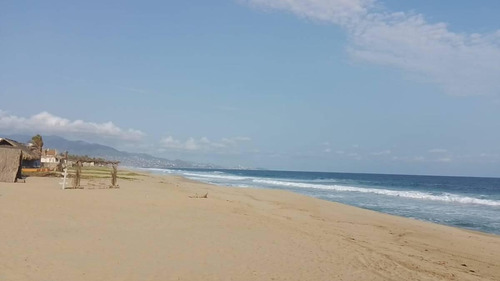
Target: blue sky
(342, 85)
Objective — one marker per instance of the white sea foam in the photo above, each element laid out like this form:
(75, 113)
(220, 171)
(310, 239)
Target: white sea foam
(214, 176)
(160, 170)
(223, 178)
(445, 197)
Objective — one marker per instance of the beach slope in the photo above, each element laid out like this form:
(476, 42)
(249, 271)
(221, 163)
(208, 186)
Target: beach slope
(156, 228)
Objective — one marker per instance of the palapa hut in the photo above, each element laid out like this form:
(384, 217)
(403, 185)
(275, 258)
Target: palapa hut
(10, 163)
(30, 155)
(14, 156)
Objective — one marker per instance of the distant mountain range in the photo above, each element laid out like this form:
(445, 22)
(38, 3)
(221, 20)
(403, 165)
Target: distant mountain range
(109, 153)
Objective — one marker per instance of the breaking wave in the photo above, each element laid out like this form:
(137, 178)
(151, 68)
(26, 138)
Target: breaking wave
(444, 197)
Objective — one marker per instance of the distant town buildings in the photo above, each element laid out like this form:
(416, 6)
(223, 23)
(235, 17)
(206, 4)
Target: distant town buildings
(50, 158)
(16, 157)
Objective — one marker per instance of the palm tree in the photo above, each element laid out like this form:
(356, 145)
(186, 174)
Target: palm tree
(37, 141)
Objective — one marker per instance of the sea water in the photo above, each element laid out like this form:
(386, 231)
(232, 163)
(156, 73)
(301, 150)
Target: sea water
(465, 202)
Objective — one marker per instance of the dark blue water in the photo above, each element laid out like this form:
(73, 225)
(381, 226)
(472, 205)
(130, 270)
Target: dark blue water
(465, 202)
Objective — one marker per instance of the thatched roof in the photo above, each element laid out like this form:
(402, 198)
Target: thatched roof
(10, 163)
(29, 153)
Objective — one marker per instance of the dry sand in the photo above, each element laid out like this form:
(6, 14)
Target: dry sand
(150, 229)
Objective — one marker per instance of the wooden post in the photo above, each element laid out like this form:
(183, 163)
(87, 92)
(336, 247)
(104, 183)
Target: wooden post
(65, 175)
(78, 174)
(114, 176)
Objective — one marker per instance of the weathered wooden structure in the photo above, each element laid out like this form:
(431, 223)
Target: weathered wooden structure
(10, 164)
(30, 156)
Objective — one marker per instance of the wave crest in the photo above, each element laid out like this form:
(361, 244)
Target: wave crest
(445, 197)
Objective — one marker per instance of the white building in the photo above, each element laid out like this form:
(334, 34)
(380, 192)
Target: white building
(50, 156)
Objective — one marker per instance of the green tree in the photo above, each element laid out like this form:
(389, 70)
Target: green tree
(37, 141)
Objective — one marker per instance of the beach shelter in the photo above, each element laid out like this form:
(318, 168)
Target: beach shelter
(30, 156)
(10, 164)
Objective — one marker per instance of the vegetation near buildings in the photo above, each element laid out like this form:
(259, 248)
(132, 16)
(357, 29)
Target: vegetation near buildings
(18, 160)
(87, 159)
(37, 142)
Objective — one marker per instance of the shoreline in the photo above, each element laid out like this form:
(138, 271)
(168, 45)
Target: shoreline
(155, 228)
(475, 222)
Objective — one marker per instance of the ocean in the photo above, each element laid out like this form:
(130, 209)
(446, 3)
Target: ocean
(464, 202)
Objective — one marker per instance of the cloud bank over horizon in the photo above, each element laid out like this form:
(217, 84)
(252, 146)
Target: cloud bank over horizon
(201, 144)
(460, 64)
(47, 123)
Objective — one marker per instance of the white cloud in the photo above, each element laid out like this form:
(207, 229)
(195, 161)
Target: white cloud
(418, 159)
(409, 159)
(46, 123)
(334, 11)
(438, 150)
(444, 160)
(461, 64)
(380, 153)
(201, 144)
(422, 159)
(235, 140)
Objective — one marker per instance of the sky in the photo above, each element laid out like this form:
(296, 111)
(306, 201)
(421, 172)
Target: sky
(404, 87)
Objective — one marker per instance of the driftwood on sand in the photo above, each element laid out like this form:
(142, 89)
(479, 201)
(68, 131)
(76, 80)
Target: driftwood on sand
(199, 196)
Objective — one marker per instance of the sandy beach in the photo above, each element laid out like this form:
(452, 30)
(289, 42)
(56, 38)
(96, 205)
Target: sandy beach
(154, 228)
